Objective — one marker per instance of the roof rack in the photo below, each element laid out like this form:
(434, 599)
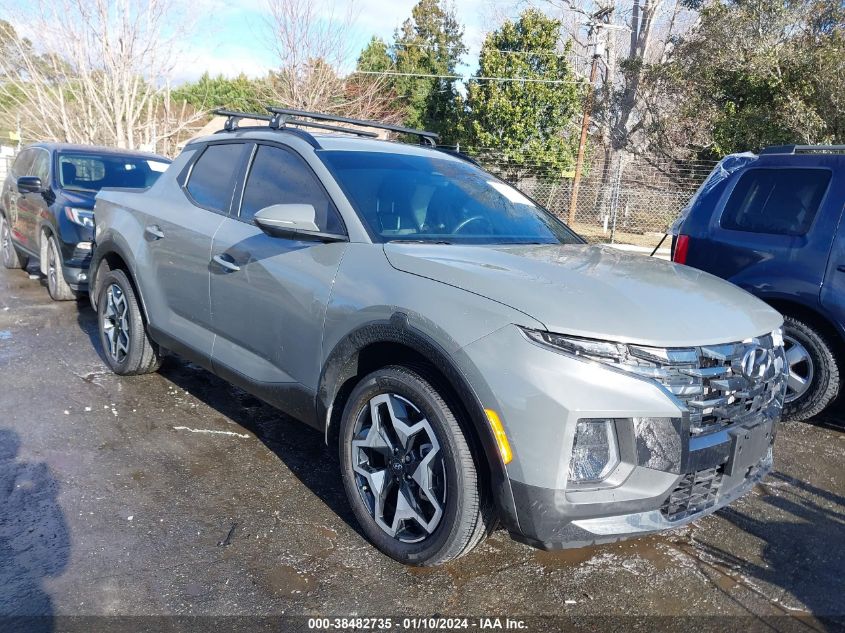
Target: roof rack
(283, 114)
(233, 117)
(803, 149)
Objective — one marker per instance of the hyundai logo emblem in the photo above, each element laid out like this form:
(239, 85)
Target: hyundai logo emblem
(756, 362)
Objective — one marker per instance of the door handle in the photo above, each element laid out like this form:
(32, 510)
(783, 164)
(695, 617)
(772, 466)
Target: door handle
(841, 268)
(154, 231)
(225, 263)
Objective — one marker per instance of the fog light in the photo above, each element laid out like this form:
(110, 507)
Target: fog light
(595, 452)
(81, 277)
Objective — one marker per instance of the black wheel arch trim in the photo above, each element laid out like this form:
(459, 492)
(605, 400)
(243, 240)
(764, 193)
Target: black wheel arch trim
(341, 365)
(117, 246)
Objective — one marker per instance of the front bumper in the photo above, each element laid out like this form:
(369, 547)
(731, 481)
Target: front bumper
(75, 268)
(540, 395)
(545, 522)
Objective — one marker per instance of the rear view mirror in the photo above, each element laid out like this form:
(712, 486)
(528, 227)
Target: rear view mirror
(30, 184)
(293, 221)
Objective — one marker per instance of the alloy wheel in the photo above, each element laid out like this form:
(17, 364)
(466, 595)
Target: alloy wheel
(399, 468)
(52, 265)
(801, 369)
(116, 323)
(5, 241)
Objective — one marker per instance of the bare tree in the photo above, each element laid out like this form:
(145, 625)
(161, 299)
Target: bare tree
(95, 71)
(633, 34)
(312, 43)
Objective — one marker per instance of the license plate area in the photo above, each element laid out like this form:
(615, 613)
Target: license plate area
(749, 444)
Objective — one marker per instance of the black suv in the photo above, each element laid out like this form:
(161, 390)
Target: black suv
(771, 223)
(47, 202)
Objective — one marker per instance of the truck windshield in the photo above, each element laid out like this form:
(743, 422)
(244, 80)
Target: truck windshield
(92, 172)
(432, 199)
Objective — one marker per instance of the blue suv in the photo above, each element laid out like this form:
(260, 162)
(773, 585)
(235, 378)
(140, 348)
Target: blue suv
(47, 207)
(771, 223)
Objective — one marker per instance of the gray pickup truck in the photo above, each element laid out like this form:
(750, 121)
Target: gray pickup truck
(472, 360)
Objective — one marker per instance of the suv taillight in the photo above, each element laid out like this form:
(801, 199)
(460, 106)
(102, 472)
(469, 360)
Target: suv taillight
(681, 248)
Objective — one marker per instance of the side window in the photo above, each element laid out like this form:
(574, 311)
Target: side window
(776, 201)
(23, 162)
(279, 176)
(41, 166)
(212, 179)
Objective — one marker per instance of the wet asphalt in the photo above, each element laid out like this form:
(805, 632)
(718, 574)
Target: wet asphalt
(175, 493)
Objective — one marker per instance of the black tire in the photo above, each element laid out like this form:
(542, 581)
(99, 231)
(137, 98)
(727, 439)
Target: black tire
(56, 285)
(466, 514)
(12, 259)
(826, 380)
(140, 355)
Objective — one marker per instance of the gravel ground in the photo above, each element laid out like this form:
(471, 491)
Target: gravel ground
(177, 494)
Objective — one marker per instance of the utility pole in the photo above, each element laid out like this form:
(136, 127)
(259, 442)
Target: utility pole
(595, 23)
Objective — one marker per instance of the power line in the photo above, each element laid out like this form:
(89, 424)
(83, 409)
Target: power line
(543, 51)
(386, 73)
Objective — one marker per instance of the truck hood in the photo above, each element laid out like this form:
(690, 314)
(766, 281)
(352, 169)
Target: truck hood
(596, 291)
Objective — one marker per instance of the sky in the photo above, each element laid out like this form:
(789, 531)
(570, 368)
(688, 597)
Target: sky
(232, 37)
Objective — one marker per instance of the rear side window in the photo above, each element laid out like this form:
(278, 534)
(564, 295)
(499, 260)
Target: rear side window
(776, 201)
(278, 176)
(212, 178)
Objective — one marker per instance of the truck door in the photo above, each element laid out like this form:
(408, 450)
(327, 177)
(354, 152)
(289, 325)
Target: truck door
(178, 235)
(269, 294)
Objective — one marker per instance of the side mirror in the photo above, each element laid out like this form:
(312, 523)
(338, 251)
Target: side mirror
(293, 221)
(30, 184)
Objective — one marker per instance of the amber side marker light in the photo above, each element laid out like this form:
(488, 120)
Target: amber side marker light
(501, 438)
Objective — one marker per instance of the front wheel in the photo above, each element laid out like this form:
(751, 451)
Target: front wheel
(56, 285)
(408, 470)
(814, 377)
(127, 347)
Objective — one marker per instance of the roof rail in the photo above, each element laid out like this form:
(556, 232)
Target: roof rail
(233, 117)
(283, 115)
(803, 149)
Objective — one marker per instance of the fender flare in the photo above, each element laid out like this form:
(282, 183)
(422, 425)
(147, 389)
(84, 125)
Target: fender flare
(106, 246)
(342, 364)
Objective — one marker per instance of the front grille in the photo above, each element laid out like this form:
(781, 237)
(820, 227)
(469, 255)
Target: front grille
(695, 493)
(715, 387)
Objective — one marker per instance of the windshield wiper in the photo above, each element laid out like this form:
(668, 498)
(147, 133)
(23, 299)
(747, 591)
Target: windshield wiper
(80, 189)
(406, 241)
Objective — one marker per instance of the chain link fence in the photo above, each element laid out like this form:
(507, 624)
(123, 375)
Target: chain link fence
(629, 201)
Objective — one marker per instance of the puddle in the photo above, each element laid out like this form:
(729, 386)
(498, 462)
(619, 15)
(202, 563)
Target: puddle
(284, 579)
(5, 335)
(657, 550)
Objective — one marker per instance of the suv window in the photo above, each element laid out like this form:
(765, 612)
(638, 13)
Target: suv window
(92, 172)
(213, 175)
(278, 176)
(41, 166)
(23, 162)
(778, 201)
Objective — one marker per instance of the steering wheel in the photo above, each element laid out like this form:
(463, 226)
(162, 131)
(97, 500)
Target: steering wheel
(463, 224)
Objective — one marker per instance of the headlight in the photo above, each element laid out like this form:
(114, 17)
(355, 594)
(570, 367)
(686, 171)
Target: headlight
(595, 452)
(82, 217)
(598, 350)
